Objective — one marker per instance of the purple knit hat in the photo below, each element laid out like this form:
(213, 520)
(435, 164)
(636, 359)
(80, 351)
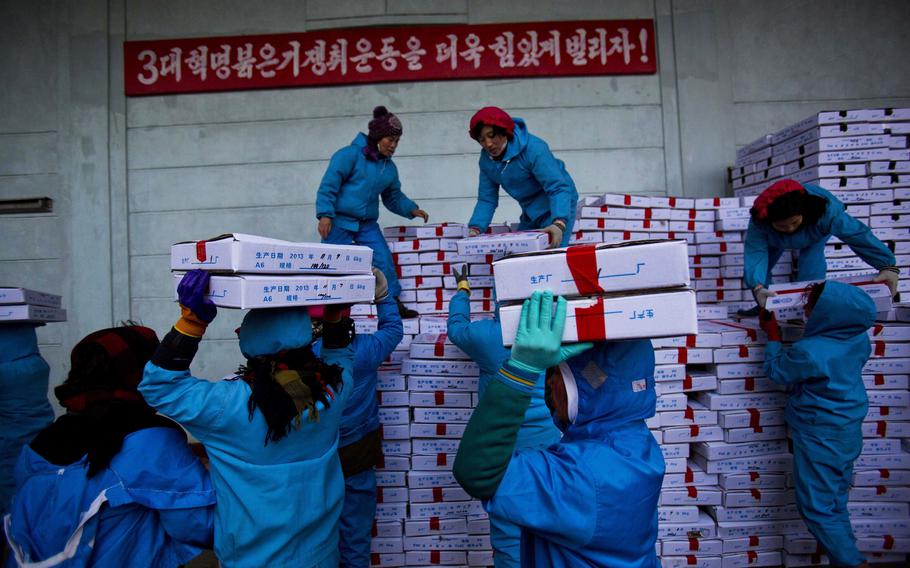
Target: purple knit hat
(384, 124)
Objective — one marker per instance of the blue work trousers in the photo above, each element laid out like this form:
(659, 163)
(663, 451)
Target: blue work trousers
(369, 235)
(356, 524)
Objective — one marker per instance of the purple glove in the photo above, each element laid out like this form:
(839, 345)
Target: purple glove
(191, 294)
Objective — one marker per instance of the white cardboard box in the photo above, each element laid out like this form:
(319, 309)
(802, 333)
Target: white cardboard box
(593, 269)
(641, 315)
(504, 243)
(238, 252)
(29, 313)
(282, 291)
(26, 296)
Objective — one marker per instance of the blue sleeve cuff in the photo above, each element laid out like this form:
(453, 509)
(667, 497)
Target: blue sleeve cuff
(518, 378)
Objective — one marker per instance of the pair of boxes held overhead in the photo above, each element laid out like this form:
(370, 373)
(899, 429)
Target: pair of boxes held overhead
(21, 305)
(260, 272)
(614, 291)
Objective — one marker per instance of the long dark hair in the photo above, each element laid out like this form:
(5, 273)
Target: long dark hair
(811, 207)
(275, 404)
(813, 293)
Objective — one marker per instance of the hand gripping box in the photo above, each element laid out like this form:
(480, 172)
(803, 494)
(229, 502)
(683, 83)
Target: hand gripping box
(282, 291)
(238, 252)
(587, 270)
(792, 295)
(644, 314)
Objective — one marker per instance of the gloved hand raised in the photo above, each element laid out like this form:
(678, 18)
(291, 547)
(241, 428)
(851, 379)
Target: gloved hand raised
(461, 278)
(768, 323)
(197, 311)
(382, 286)
(538, 343)
(888, 275)
(761, 295)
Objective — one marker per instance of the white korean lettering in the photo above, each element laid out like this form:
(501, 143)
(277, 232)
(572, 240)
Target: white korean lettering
(172, 64)
(221, 62)
(291, 57)
(472, 53)
(413, 56)
(149, 66)
(532, 49)
(267, 60)
(387, 54)
(621, 45)
(448, 51)
(245, 61)
(576, 47)
(504, 48)
(364, 54)
(597, 46)
(315, 58)
(338, 56)
(198, 62)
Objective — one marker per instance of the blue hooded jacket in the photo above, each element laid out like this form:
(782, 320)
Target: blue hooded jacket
(823, 370)
(482, 342)
(530, 173)
(591, 499)
(361, 412)
(762, 240)
(278, 504)
(152, 506)
(24, 408)
(352, 185)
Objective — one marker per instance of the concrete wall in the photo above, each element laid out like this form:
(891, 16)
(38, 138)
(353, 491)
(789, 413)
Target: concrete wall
(131, 176)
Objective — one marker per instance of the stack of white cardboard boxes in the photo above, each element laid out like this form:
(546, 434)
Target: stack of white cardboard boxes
(21, 305)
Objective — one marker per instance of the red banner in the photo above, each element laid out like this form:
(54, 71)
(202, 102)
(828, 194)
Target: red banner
(374, 55)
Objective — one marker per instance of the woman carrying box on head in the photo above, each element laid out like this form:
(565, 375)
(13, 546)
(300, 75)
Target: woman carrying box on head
(347, 201)
(271, 431)
(591, 499)
(523, 165)
(826, 407)
(482, 341)
(790, 216)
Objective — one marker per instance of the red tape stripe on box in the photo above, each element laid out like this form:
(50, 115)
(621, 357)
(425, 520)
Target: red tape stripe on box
(690, 475)
(750, 383)
(753, 556)
(756, 494)
(440, 398)
(672, 201)
(590, 321)
(693, 544)
(201, 256)
(691, 340)
(743, 352)
(693, 430)
(441, 459)
(689, 413)
(879, 379)
(682, 355)
(440, 429)
(881, 428)
(754, 540)
(877, 329)
(880, 489)
(754, 417)
(691, 560)
(375, 559)
(879, 348)
(754, 476)
(439, 348)
(687, 383)
(884, 410)
(693, 494)
(888, 542)
(437, 494)
(582, 261)
(434, 557)
(434, 523)
(884, 473)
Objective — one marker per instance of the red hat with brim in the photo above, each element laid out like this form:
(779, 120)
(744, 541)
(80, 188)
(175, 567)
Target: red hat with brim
(768, 196)
(491, 116)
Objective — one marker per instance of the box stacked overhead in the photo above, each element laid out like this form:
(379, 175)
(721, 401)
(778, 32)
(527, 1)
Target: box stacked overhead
(21, 305)
(861, 156)
(259, 272)
(427, 391)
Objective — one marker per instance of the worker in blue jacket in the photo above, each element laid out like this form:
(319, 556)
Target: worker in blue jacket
(826, 407)
(591, 499)
(523, 165)
(271, 432)
(360, 447)
(110, 483)
(482, 342)
(347, 201)
(791, 216)
(24, 408)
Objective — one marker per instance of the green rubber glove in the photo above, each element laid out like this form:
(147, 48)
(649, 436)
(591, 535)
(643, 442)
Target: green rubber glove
(538, 343)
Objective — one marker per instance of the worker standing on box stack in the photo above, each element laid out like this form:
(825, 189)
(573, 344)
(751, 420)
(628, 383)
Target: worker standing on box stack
(523, 165)
(24, 408)
(347, 201)
(591, 499)
(482, 341)
(790, 216)
(826, 407)
(110, 482)
(360, 446)
(271, 433)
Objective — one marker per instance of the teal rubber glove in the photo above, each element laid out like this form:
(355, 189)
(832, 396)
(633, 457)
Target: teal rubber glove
(538, 343)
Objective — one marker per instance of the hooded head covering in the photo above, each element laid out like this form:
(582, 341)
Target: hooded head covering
(607, 386)
(269, 331)
(491, 116)
(841, 312)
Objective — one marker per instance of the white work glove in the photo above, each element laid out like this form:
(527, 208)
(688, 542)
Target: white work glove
(555, 230)
(888, 275)
(761, 295)
(382, 286)
(473, 232)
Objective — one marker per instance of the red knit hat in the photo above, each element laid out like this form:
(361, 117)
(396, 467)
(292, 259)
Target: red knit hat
(491, 116)
(768, 196)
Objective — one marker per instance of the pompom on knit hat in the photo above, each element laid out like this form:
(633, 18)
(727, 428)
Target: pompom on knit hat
(491, 116)
(384, 124)
(767, 197)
